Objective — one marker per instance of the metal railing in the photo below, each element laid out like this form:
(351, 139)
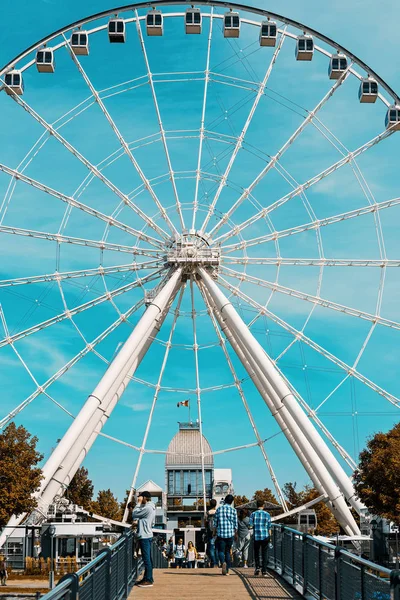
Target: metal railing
(320, 570)
(110, 576)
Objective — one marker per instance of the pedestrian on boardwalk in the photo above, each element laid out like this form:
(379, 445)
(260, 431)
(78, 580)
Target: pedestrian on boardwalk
(244, 536)
(170, 554)
(260, 521)
(225, 528)
(179, 553)
(144, 513)
(210, 533)
(191, 556)
(3, 570)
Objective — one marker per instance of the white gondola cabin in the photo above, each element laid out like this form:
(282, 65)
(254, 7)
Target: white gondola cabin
(231, 25)
(392, 120)
(337, 66)
(45, 62)
(368, 91)
(268, 33)
(304, 47)
(14, 83)
(116, 31)
(154, 22)
(80, 43)
(193, 20)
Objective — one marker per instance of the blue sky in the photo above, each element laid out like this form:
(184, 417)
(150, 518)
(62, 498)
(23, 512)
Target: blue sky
(292, 88)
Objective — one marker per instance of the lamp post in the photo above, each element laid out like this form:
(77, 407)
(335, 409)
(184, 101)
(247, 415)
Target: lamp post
(52, 531)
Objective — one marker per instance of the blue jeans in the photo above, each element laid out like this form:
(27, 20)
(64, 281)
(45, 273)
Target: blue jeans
(145, 548)
(211, 551)
(224, 546)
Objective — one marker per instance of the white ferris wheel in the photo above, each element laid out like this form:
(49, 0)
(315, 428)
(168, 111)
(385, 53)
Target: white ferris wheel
(204, 208)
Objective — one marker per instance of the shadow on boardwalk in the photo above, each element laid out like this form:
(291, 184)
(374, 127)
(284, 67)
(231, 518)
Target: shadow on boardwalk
(207, 584)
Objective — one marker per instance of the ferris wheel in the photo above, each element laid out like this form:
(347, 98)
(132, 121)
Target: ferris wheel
(199, 202)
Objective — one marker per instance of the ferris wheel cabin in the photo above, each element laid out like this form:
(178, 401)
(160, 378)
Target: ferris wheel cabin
(45, 61)
(231, 25)
(154, 22)
(337, 66)
(14, 83)
(304, 47)
(116, 31)
(193, 20)
(268, 33)
(368, 91)
(80, 43)
(392, 120)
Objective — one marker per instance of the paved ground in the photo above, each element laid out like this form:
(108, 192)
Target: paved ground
(207, 584)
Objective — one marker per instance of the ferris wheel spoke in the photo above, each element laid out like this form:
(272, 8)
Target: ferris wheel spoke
(301, 188)
(60, 276)
(276, 158)
(198, 393)
(161, 126)
(298, 335)
(124, 145)
(310, 262)
(351, 214)
(239, 388)
(81, 308)
(243, 132)
(154, 402)
(94, 170)
(202, 121)
(88, 348)
(66, 239)
(276, 287)
(75, 203)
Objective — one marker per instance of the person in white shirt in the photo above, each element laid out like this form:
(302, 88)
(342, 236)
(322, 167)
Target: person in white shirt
(191, 556)
(179, 553)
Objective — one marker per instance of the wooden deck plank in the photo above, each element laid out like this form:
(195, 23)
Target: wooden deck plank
(207, 584)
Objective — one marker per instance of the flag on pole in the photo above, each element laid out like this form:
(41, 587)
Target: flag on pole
(183, 403)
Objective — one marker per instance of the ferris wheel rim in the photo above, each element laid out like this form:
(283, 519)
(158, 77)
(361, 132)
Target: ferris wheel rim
(215, 3)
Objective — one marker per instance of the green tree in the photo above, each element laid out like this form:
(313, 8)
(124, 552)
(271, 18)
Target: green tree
(20, 476)
(293, 497)
(122, 505)
(239, 500)
(107, 505)
(80, 490)
(377, 478)
(266, 495)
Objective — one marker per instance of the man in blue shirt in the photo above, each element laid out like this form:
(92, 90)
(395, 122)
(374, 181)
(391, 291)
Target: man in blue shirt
(260, 521)
(225, 528)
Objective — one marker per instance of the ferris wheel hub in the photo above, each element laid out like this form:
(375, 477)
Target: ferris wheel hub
(190, 250)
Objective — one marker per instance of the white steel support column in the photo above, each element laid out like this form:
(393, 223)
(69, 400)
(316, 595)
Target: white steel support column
(285, 402)
(83, 431)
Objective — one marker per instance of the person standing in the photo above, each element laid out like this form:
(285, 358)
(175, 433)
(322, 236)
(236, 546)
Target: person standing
(260, 521)
(144, 513)
(3, 571)
(244, 536)
(179, 553)
(225, 527)
(210, 533)
(191, 556)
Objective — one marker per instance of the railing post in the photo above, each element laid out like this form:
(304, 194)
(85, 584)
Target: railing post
(108, 553)
(292, 554)
(282, 549)
(126, 574)
(74, 587)
(320, 571)
(395, 585)
(338, 552)
(362, 590)
(304, 562)
(274, 530)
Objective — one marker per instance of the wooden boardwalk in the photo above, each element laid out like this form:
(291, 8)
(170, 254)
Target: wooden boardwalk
(209, 584)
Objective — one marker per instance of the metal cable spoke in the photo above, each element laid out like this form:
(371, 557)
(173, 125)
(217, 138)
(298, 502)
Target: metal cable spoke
(310, 262)
(161, 126)
(305, 186)
(298, 335)
(243, 133)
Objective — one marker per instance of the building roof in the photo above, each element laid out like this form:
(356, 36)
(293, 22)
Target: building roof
(149, 486)
(185, 447)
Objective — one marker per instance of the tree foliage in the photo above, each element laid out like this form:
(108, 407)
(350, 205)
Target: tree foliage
(80, 490)
(377, 479)
(239, 500)
(266, 495)
(20, 476)
(107, 505)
